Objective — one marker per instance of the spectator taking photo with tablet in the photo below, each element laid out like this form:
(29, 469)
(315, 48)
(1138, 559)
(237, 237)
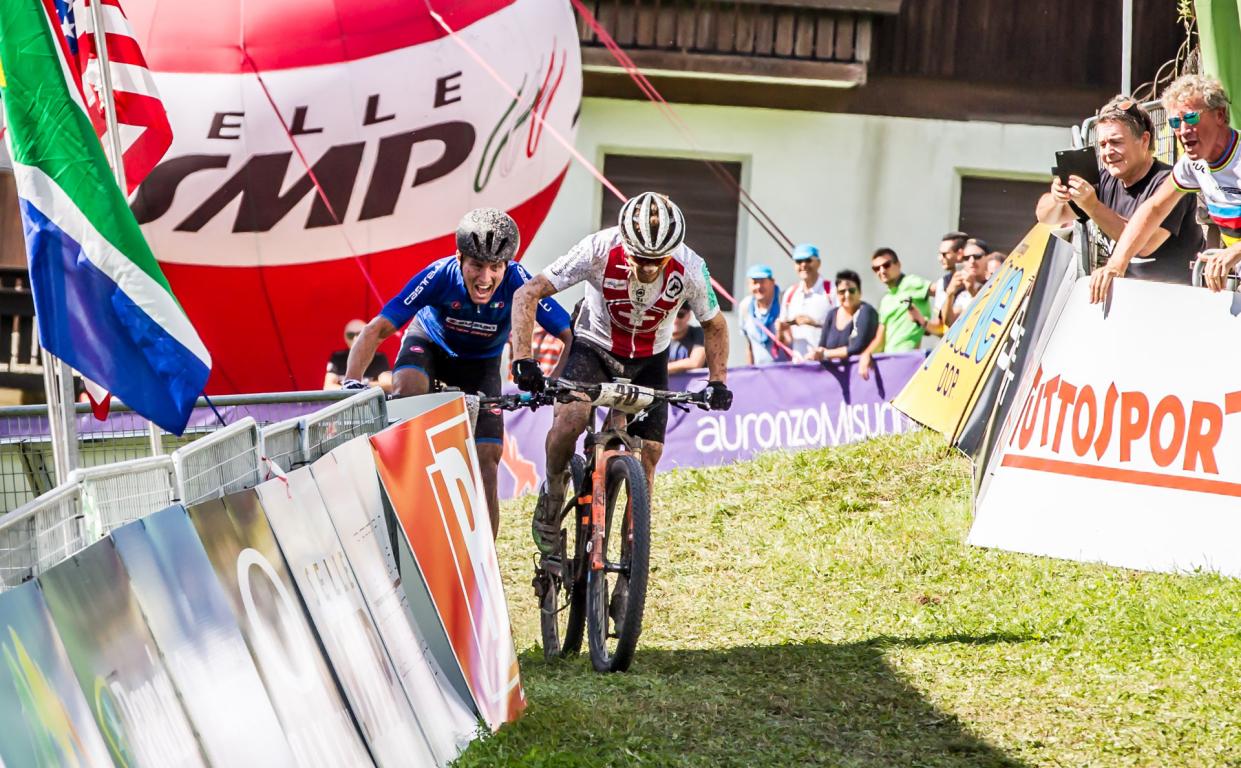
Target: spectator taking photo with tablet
(1128, 173)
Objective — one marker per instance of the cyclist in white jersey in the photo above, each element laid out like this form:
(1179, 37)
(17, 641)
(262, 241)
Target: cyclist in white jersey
(637, 275)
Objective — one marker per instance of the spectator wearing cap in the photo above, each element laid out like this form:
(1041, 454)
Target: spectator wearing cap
(688, 349)
(759, 312)
(903, 309)
(804, 306)
(1129, 175)
(378, 373)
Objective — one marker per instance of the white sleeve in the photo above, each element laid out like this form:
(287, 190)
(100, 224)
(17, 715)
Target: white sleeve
(575, 266)
(702, 299)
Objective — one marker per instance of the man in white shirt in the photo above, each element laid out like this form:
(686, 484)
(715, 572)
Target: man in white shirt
(804, 306)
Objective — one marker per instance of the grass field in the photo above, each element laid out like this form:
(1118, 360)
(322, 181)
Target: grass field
(822, 608)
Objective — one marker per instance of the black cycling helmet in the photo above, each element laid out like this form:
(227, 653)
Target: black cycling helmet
(487, 234)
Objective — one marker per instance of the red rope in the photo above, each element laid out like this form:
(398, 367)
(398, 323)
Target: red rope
(652, 93)
(310, 171)
(589, 166)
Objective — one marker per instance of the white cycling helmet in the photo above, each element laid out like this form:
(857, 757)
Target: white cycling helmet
(643, 239)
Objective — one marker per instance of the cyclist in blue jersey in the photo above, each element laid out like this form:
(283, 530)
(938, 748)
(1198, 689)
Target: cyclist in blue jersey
(459, 312)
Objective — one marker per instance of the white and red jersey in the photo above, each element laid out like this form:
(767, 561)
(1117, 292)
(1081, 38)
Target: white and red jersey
(620, 314)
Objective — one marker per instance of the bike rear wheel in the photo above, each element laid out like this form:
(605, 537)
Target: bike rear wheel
(616, 595)
(562, 602)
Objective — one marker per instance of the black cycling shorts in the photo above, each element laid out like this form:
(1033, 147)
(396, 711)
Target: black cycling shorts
(467, 374)
(590, 364)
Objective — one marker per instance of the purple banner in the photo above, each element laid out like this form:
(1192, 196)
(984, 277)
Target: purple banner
(785, 406)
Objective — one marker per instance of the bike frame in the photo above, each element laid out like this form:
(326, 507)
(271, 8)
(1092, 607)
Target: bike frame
(603, 445)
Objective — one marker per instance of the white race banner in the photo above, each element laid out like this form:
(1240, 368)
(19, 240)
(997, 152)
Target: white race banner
(1126, 445)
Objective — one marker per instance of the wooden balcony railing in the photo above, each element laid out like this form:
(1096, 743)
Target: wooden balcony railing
(824, 42)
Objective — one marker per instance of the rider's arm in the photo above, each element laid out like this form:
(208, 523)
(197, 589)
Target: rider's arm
(715, 339)
(525, 307)
(363, 349)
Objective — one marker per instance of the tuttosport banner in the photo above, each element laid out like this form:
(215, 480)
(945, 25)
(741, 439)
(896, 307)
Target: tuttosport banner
(429, 470)
(785, 406)
(1125, 445)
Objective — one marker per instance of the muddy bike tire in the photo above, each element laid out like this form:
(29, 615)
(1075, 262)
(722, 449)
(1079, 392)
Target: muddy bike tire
(613, 623)
(562, 606)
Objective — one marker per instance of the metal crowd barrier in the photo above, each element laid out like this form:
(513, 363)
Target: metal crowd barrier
(96, 499)
(115, 494)
(220, 463)
(1231, 283)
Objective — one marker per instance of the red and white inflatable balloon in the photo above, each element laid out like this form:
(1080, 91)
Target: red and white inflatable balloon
(401, 126)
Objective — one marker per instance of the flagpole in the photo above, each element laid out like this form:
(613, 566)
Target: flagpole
(115, 151)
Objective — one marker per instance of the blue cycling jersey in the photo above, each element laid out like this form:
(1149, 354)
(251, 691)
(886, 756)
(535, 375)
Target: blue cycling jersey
(439, 304)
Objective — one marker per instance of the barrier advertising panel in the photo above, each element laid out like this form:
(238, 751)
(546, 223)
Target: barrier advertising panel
(266, 605)
(116, 662)
(1126, 444)
(45, 719)
(429, 472)
(349, 485)
(189, 617)
(325, 579)
(1026, 337)
(945, 391)
(785, 406)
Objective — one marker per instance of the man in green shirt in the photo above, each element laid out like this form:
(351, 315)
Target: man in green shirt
(900, 330)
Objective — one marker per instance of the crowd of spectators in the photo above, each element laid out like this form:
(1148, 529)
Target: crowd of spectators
(817, 319)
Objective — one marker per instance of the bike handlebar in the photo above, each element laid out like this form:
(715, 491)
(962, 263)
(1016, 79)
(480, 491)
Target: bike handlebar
(619, 396)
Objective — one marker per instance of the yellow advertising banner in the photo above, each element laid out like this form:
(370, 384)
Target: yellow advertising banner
(943, 393)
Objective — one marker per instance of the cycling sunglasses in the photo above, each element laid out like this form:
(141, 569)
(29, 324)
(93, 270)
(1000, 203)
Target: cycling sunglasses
(1189, 118)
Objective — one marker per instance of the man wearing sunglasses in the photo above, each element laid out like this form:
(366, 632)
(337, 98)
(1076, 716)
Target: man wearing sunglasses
(377, 374)
(457, 310)
(966, 282)
(1197, 110)
(1129, 174)
(903, 310)
(637, 275)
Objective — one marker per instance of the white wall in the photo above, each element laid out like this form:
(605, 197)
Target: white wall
(849, 183)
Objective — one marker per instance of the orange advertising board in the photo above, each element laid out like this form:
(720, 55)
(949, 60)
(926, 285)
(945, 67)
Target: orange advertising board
(429, 471)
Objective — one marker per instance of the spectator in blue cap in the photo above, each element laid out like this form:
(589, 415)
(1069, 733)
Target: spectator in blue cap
(759, 312)
(804, 306)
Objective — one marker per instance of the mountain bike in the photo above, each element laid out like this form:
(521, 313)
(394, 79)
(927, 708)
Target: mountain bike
(596, 578)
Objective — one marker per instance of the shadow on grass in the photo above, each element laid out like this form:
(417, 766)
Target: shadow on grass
(782, 705)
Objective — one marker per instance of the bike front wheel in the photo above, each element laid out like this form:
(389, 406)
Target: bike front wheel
(562, 603)
(616, 595)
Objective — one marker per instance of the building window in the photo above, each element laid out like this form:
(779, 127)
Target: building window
(1000, 211)
(12, 241)
(709, 204)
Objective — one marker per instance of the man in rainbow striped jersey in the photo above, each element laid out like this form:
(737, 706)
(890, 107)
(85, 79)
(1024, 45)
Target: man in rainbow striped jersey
(1197, 108)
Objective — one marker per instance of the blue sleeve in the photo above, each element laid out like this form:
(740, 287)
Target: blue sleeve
(422, 290)
(867, 325)
(550, 314)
